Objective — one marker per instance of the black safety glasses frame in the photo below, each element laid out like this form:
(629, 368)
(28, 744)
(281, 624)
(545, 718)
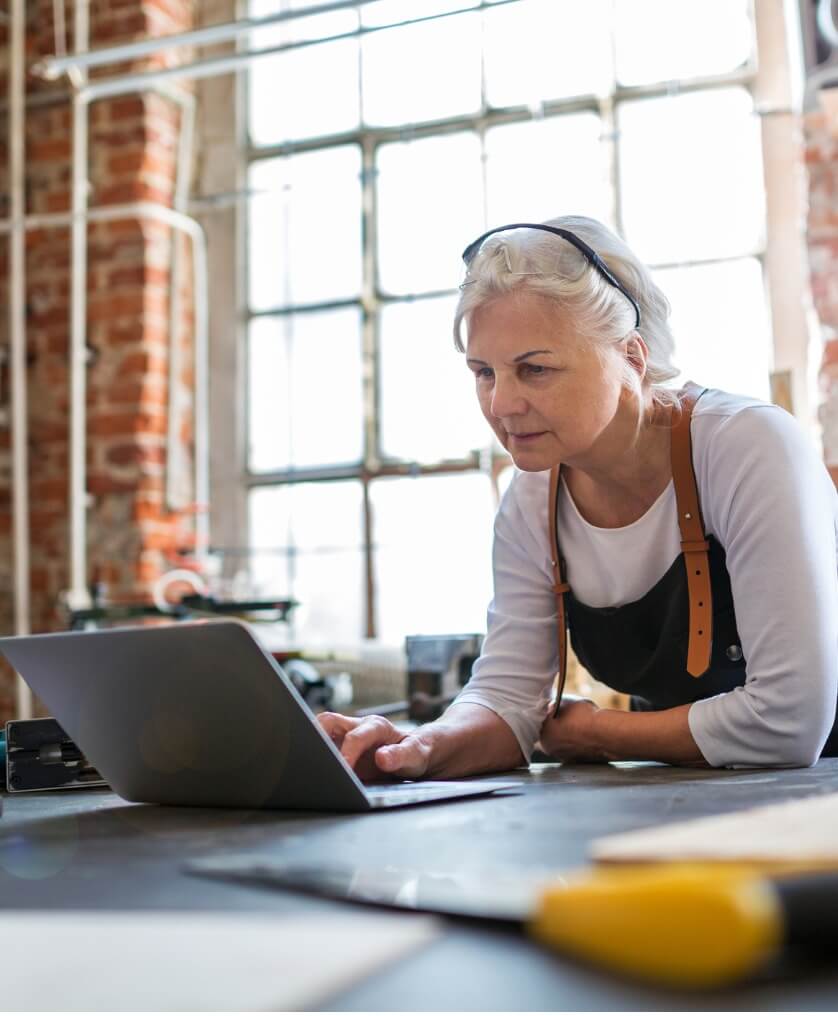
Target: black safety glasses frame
(587, 252)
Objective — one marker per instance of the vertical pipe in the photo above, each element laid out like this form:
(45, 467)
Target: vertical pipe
(79, 595)
(17, 338)
(785, 263)
(202, 487)
(186, 101)
(370, 351)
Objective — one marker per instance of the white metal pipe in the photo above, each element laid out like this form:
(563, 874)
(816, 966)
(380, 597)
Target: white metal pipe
(181, 200)
(123, 84)
(826, 22)
(195, 231)
(53, 67)
(202, 449)
(60, 28)
(78, 596)
(17, 339)
(111, 213)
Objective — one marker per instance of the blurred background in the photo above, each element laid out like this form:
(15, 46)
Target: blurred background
(233, 253)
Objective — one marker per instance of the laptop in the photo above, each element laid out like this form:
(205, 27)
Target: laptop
(198, 713)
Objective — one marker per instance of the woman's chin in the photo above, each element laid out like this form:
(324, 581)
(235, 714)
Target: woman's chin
(531, 462)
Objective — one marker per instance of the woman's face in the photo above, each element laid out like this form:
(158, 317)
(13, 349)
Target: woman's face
(548, 394)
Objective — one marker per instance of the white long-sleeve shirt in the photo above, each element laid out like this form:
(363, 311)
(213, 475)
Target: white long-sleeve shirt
(767, 498)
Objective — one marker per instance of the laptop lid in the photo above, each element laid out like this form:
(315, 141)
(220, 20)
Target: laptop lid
(193, 713)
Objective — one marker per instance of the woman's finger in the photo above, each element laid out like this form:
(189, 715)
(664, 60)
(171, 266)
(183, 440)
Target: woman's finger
(370, 733)
(407, 760)
(337, 726)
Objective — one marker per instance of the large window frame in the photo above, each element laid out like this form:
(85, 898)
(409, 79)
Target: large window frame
(783, 265)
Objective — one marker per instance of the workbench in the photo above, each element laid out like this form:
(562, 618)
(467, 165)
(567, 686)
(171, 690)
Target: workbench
(90, 849)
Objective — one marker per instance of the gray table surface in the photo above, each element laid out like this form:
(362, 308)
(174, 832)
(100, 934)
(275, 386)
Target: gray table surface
(90, 849)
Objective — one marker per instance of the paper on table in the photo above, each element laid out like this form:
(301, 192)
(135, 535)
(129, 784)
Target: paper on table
(85, 960)
(798, 831)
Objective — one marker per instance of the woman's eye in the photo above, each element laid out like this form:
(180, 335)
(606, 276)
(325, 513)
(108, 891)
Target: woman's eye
(533, 369)
(483, 373)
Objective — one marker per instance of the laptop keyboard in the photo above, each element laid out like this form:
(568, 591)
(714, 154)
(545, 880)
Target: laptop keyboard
(409, 793)
(383, 799)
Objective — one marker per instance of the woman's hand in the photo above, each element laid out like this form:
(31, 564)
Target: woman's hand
(376, 749)
(570, 736)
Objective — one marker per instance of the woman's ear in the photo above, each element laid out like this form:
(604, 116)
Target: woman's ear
(637, 354)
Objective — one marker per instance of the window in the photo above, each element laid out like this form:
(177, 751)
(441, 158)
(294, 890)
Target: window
(383, 138)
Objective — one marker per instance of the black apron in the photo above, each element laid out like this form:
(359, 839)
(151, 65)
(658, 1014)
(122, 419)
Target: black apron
(641, 647)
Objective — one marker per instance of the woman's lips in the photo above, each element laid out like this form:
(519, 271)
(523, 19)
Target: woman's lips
(527, 438)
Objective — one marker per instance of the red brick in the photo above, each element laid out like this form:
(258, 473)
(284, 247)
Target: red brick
(121, 193)
(57, 148)
(126, 108)
(124, 333)
(59, 202)
(115, 306)
(114, 424)
(142, 364)
(126, 162)
(131, 275)
(134, 454)
(830, 352)
(138, 392)
(39, 579)
(49, 490)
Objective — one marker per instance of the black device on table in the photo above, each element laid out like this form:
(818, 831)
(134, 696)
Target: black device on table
(40, 755)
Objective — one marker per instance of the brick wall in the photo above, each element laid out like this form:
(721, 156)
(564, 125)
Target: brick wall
(132, 157)
(821, 131)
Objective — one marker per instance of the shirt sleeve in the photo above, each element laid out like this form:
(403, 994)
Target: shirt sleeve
(770, 502)
(519, 659)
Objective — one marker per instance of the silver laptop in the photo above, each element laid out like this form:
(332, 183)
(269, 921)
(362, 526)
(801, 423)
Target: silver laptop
(200, 714)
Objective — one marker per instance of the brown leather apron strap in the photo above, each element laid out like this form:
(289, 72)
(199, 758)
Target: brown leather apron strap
(693, 539)
(560, 587)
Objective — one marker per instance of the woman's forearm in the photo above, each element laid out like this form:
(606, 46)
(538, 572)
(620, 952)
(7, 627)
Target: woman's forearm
(470, 739)
(662, 736)
(583, 732)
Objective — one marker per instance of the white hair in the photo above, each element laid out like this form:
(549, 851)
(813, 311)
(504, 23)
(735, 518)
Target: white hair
(536, 261)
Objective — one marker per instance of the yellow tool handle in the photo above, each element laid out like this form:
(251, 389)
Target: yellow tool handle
(689, 925)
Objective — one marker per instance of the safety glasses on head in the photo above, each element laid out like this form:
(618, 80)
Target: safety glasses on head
(590, 255)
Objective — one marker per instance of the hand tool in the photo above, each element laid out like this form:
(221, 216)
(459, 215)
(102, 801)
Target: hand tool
(685, 925)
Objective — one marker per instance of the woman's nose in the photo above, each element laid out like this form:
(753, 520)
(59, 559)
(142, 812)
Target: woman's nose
(506, 399)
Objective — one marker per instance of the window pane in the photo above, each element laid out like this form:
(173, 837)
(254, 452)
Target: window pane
(398, 87)
(305, 92)
(315, 26)
(430, 205)
(688, 40)
(308, 540)
(305, 402)
(544, 168)
(701, 194)
(304, 237)
(433, 538)
(546, 49)
(721, 327)
(428, 406)
(388, 12)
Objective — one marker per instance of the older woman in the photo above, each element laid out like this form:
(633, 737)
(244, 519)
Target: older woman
(686, 539)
